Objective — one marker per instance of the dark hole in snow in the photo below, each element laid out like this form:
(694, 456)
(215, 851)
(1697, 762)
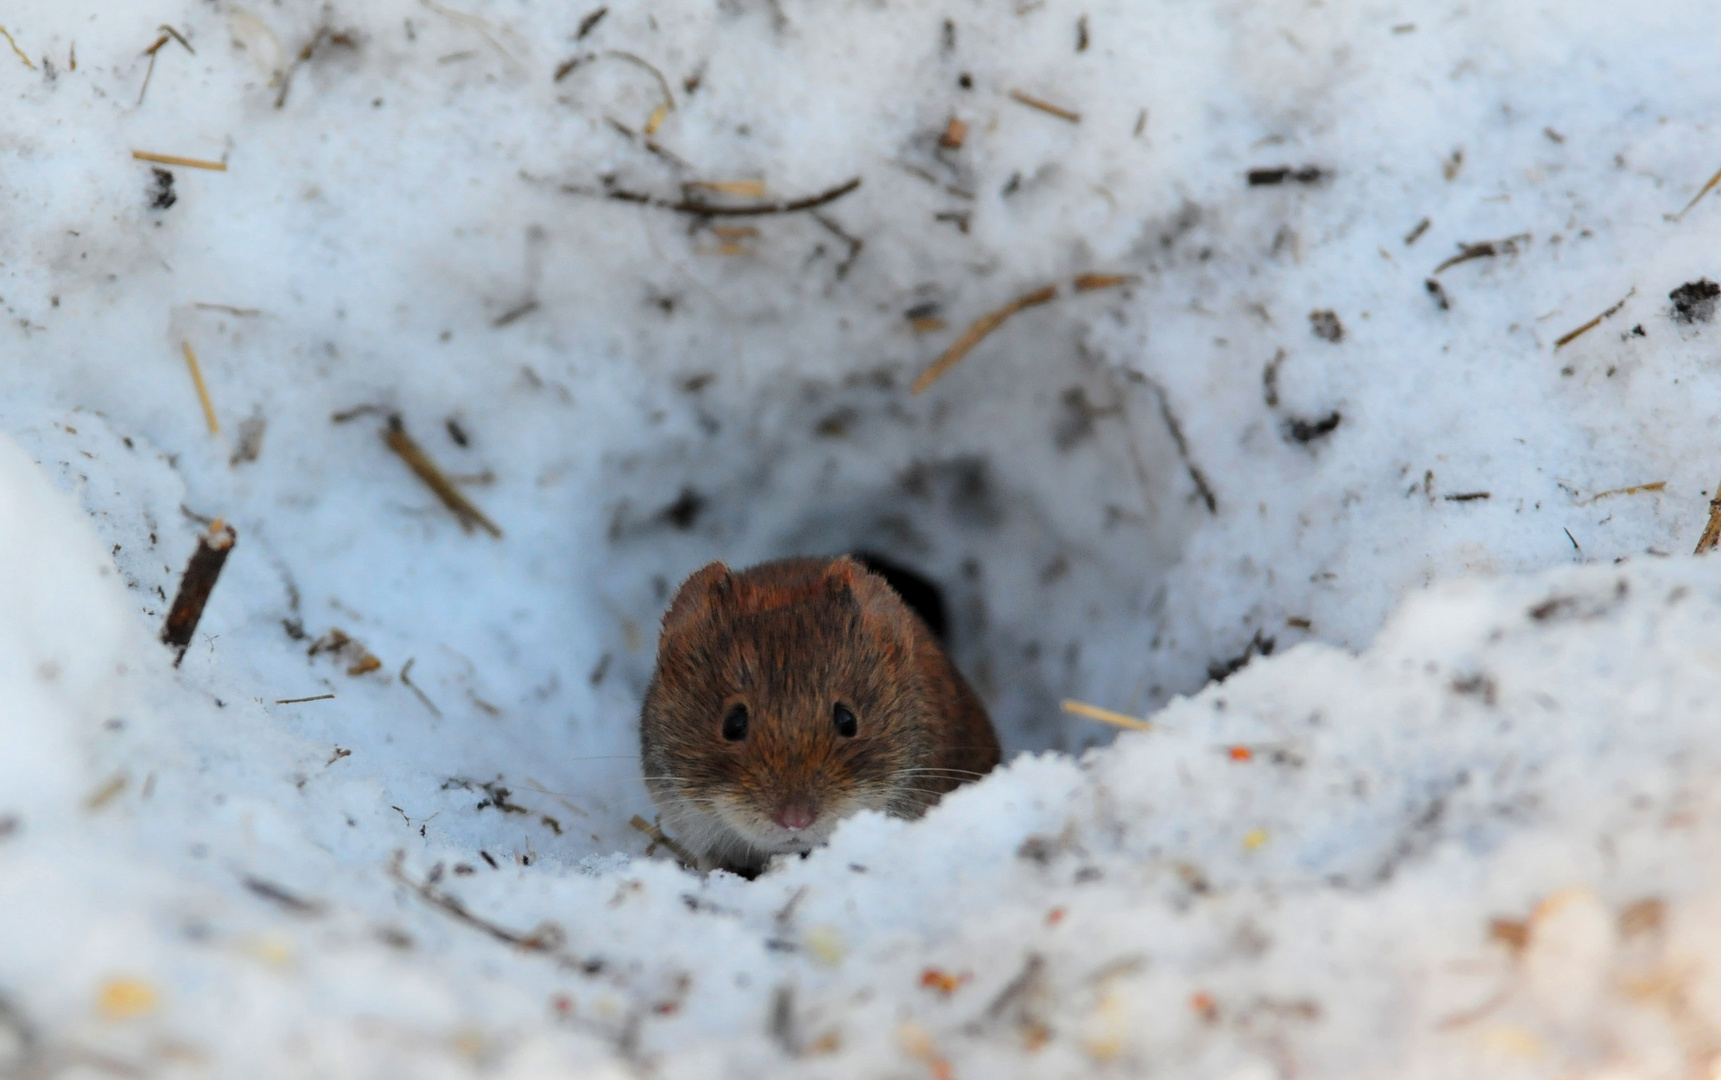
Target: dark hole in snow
(161, 193)
(1694, 301)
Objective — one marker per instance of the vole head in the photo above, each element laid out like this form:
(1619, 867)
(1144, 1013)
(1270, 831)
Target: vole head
(785, 699)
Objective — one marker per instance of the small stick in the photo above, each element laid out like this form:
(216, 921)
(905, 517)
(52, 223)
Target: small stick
(419, 462)
(1175, 429)
(1090, 282)
(202, 389)
(1595, 322)
(405, 674)
(546, 938)
(7, 35)
(1695, 199)
(176, 37)
(1659, 485)
(1712, 531)
(519, 311)
(189, 163)
(994, 319)
(302, 700)
(982, 326)
(1046, 107)
(744, 189)
(1104, 716)
(194, 588)
(705, 209)
(658, 836)
(1487, 249)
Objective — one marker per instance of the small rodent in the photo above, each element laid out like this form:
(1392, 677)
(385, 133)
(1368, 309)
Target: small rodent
(791, 695)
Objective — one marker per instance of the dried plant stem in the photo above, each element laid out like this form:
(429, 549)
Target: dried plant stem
(194, 588)
(1105, 716)
(419, 462)
(202, 389)
(189, 163)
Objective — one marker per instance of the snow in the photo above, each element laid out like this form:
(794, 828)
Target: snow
(1455, 815)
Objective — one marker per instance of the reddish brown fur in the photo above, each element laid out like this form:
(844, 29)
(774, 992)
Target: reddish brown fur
(790, 640)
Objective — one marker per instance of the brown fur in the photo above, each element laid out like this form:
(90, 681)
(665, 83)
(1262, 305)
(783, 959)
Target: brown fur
(790, 640)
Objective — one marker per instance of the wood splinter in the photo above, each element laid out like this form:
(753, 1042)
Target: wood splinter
(1711, 532)
(195, 587)
(419, 462)
(990, 321)
(1105, 716)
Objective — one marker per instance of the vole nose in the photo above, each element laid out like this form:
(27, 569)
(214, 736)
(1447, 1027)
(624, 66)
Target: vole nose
(795, 816)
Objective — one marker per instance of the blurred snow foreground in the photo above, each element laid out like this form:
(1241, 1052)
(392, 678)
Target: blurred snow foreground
(1378, 383)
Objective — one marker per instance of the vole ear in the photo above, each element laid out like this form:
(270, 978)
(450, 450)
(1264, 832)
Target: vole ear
(697, 597)
(880, 607)
(842, 577)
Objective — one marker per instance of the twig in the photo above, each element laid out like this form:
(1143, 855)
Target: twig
(405, 673)
(274, 893)
(1712, 531)
(1695, 199)
(519, 311)
(743, 189)
(590, 22)
(705, 209)
(189, 163)
(990, 321)
(302, 700)
(8, 36)
(302, 59)
(1487, 249)
(977, 332)
(659, 837)
(419, 462)
(1104, 716)
(1595, 322)
(176, 36)
(194, 588)
(546, 938)
(1202, 488)
(202, 389)
(1659, 485)
(1090, 282)
(855, 243)
(1046, 107)
(169, 34)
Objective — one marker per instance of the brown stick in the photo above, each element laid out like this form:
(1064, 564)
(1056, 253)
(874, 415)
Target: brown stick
(989, 322)
(16, 49)
(704, 209)
(1712, 531)
(1695, 199)
(189, 163)
(1046, 107)
(419, 462)
(976, 333)
(195, 587)
(1572, 335)
(202, 389)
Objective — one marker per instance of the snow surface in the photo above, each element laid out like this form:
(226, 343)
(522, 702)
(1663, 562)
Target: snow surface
(1474, 836)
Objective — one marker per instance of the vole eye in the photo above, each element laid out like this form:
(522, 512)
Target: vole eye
(845, 720)
(735, 723)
